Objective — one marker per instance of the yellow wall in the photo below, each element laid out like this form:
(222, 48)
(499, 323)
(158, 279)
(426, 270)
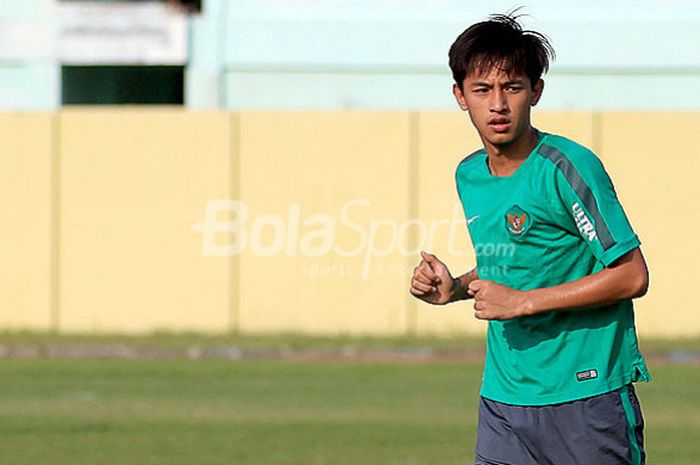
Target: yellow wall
(132, 183)
(26, 183)
(142, 219)
(654, 160)
(443, 140)
(301, 165)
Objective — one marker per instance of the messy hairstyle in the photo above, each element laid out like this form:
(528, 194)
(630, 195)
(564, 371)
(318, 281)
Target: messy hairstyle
(500, 42)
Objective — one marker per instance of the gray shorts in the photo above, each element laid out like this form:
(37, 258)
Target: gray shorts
(607, 429)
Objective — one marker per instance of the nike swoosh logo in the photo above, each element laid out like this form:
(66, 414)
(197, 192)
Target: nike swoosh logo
(472, 219)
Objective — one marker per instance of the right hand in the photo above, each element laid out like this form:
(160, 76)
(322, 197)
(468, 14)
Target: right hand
(432, 281)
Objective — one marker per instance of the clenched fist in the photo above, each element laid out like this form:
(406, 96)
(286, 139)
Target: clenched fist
(493, 301)
(432, 281)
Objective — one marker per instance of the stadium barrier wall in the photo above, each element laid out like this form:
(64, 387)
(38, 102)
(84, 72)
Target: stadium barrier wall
(134, 220)
(26, 237)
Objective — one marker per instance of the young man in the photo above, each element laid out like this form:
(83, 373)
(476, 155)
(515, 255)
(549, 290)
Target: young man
(557, 266)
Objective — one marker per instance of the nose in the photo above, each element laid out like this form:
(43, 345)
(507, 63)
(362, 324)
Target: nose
(499, 102)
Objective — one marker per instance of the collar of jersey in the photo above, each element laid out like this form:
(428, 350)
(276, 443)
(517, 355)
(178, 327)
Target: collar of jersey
(517, 172)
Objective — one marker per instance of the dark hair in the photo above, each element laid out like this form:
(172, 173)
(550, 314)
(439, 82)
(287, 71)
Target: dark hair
(500, 41)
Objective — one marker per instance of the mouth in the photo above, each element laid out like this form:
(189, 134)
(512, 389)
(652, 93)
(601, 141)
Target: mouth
(499, 125)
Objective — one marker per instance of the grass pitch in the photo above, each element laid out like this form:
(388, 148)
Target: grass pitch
(252, 412)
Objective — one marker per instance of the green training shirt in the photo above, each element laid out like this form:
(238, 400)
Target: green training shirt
(554, 220)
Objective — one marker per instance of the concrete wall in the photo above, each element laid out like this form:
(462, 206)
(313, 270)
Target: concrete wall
(380, 54)
(653, 159)
(131, 184)
(27, 196)
(383, 54)
(136, 220)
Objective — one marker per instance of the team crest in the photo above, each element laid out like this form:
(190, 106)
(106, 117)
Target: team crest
(517, 221)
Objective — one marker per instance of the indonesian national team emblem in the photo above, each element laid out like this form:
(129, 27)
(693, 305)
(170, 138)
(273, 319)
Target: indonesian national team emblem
(517, 220)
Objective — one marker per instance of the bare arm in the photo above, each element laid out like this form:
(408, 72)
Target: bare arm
(626, 278)
(460, 286)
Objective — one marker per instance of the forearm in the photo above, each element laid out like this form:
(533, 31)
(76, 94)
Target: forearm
(460, 285)
(624, 281)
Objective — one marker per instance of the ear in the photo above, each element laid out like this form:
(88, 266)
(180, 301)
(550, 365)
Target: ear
(459, 96)
(537, 93)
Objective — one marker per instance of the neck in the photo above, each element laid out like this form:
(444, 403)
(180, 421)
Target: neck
(504, 160)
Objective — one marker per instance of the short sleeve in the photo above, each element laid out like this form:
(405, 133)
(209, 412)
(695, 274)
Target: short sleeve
(591, 202)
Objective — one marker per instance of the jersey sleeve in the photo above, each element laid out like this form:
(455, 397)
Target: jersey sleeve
(591, 203)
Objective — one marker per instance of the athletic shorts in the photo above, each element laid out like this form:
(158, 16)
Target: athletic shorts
(607, 429)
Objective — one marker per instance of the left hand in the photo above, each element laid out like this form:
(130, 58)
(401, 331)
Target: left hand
(493, 301)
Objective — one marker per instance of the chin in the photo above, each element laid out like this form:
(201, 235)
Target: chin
(501, 139)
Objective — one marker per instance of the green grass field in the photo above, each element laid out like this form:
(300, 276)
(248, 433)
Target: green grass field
(171, 412)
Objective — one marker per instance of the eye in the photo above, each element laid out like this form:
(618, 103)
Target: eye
(480, 90)
(514, 88)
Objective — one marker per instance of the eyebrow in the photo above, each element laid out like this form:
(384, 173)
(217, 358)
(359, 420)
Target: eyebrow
(517, 81)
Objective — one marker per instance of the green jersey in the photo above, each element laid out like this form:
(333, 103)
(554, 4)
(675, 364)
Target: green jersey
(554, 220)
